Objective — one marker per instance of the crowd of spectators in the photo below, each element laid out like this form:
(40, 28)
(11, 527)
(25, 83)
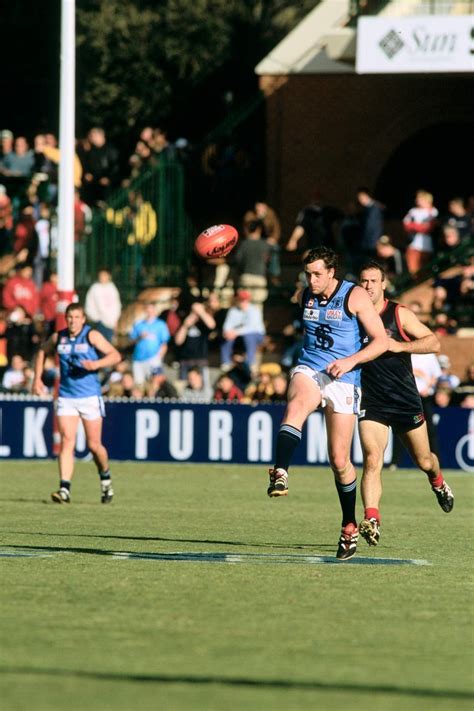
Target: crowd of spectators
(171, 356)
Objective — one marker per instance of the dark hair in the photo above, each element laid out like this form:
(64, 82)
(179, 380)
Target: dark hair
(328, 256)
(364, 189)
(254, 225)
(372, 265)
(75, 306)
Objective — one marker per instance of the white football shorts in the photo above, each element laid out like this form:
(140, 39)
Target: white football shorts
(89, 408)
(343, 397)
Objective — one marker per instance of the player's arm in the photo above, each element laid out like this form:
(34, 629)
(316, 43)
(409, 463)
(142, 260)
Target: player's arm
(110, 355)
(46, 349)
(363, 309)
(423, 340)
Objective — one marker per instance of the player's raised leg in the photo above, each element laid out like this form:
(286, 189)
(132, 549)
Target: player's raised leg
(340, 429)
(93, 430)
(304, 396)
(417, 443)
(67, 425)
(373, 438)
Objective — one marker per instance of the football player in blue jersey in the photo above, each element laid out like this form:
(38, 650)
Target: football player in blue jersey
(328, 375)
(82, 351)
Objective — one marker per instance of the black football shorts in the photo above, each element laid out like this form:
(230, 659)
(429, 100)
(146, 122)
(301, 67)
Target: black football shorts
(398, 421)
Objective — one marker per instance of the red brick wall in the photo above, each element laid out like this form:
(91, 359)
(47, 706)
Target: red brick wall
(336, 132)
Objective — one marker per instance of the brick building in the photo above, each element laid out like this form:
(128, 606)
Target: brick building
(330, 129)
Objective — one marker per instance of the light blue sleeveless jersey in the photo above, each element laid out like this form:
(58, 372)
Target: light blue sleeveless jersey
(74, 380)
(330, 331)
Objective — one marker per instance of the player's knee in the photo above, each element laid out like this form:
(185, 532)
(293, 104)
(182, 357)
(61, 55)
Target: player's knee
(67, 443)
(426, 462)
(373, 461)
(340, 465)
(94, 445)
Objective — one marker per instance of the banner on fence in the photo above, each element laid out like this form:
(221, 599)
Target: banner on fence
(177, 432)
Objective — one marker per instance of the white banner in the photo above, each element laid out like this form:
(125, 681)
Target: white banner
(423, 44)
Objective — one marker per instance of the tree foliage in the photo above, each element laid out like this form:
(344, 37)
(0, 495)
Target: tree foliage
(147, 61)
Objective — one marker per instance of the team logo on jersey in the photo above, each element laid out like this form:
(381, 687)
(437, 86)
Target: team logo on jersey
(310, 302)
(322, 337)
(334, 315)
(337, 302)
(348, 401)
(64, 348)
(311, 314)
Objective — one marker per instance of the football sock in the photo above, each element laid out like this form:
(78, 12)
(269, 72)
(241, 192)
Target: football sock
(288, 439)
(436, 481)
(105, 476)
(372, 513)
(63, 484)
(347, 498)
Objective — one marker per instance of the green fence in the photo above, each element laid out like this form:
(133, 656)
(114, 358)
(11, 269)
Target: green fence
(143, 235)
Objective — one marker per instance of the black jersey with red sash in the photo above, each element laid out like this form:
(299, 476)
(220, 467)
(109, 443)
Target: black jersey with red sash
(388, 382)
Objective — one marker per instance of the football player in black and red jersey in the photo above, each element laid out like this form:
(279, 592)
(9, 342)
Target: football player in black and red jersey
(390, 399)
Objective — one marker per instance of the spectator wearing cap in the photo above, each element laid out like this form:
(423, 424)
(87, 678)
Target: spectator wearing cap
(446, 379)
(244, 320)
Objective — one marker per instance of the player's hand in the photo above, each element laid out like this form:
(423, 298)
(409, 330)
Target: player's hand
(339, 367)
(230, 335)
(394, 346)
(89, 365)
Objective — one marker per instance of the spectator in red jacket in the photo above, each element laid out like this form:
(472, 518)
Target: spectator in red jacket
(227, 390)
(20, 290)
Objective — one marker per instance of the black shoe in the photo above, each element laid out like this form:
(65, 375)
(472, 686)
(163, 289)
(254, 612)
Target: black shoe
(348, 542)
(445, 496)
(278, 482)
(62, 496)
(107, 493)
(369, 529)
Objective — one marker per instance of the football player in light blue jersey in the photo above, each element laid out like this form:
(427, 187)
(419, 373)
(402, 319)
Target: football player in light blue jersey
(82, 352)
(327, 375)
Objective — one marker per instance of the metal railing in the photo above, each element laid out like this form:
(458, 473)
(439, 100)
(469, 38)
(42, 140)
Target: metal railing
(143, 234)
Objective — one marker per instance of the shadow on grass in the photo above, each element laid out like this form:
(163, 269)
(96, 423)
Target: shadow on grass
(289, 684)
(207, 541)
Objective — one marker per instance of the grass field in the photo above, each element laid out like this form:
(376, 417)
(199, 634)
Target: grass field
(82, 629)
